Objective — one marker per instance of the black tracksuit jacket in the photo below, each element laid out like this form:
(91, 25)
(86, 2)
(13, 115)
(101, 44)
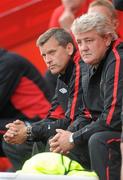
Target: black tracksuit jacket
(24, 94)
(102, 92)
(68, 95)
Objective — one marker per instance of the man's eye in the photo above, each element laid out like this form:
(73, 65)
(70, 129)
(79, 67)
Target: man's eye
(44, 55)
(89, 40)
(52, 52)
(78, 42)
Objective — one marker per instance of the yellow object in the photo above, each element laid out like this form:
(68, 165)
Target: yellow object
(54, 164)
(82, 173)
(50, 163)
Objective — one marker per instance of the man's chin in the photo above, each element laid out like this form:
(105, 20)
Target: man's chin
(87, 61)
(54, 72)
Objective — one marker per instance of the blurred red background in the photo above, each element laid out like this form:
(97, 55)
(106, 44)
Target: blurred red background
(21, 22)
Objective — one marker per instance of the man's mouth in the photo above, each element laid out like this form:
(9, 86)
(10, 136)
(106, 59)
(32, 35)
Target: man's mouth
(52, 66)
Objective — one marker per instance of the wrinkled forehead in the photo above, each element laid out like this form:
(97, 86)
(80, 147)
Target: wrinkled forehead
(50, 44)
(88, 34)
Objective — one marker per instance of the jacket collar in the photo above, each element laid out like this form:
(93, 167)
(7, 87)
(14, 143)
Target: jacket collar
(68, 72)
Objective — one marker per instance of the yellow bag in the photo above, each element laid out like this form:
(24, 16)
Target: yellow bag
(54, 164)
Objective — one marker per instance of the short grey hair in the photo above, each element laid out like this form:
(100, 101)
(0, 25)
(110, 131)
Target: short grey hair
(96, 21)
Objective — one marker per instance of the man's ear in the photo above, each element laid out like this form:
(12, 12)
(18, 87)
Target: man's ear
(108, 38)
(70, 48)
(116, 22)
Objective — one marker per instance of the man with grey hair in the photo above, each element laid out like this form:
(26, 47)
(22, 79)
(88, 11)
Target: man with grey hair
(102, 84)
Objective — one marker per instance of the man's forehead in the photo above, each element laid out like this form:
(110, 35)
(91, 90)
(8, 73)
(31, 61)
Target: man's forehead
(50, 43)
(85, 35)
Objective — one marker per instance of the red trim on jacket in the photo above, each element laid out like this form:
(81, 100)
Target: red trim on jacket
(76, 60)
(87, 114)
(113, 140)
(107, 173)
(58, 113)
(116, 77)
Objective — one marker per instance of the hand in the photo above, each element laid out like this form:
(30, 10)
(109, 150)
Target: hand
(60, 142)
(16, 133)
(66, 19)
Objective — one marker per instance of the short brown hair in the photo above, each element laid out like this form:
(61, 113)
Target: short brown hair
(62, 36)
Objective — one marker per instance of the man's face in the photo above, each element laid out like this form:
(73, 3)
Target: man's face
(92, 46)
(56, 56)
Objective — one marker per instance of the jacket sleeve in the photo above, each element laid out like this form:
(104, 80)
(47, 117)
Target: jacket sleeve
(111, 92)
(46, 128)
(9, 78)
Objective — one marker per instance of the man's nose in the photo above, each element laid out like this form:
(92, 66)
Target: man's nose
(48, 59)
(83, 47)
